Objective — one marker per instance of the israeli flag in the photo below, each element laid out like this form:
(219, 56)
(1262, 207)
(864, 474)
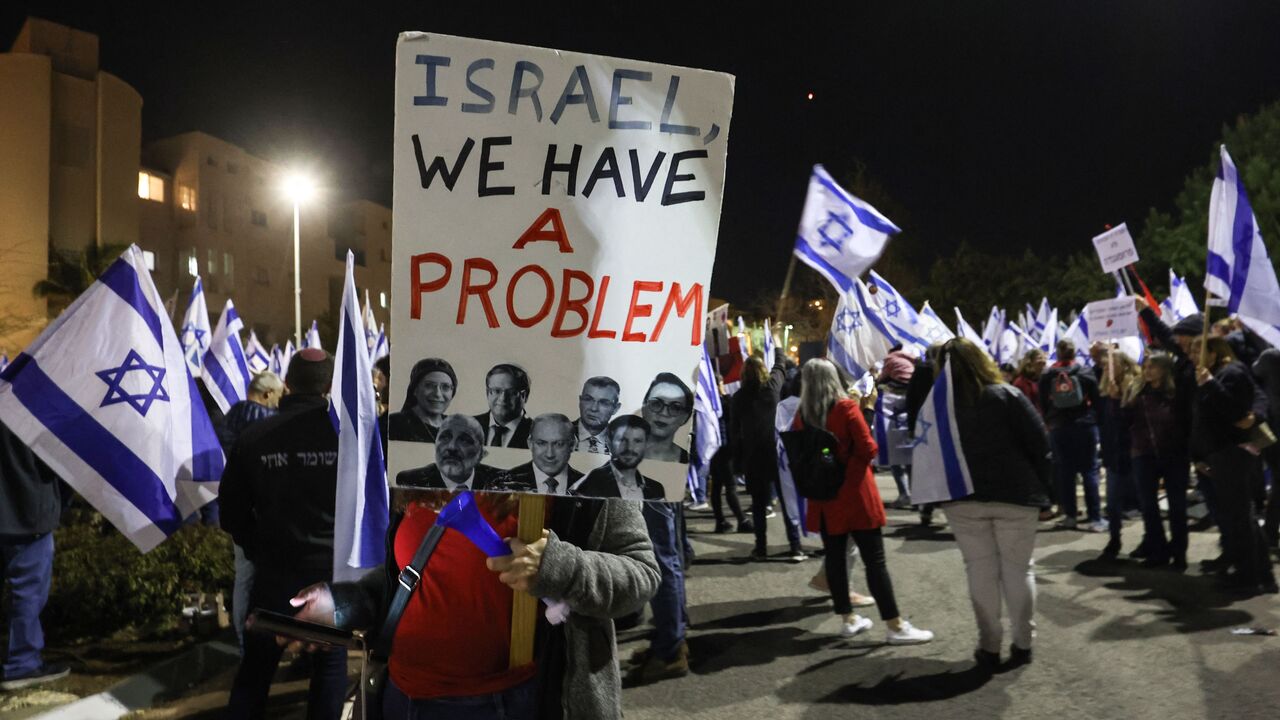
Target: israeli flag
(381, 348)
(1078, 334)
(793, 503)
(370, 324)
(1181, 302)
(226, 370)
(934, 330)
(707, 413)
(285, 356)
(939, 472)
(1041, 319)
(196, 333)
(768, 343)
(991, 331)
(104, 396)
(902, 320)
(859, 339)
(312, 340)
(966, 331)
(1239, 270)
(361, 508)
(1009, 348)
(256, 355)
(840, 236)
(1049, 335)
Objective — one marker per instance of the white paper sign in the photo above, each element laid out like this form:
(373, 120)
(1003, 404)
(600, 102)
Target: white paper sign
(1115, 248)
(556, 212)
(1112, 319)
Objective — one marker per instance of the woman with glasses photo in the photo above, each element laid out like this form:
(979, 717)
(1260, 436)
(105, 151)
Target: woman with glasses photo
(667, 407)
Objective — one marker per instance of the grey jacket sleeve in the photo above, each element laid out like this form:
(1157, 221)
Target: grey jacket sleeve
(613, 581)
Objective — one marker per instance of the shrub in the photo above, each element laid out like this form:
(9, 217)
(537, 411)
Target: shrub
(102, 584)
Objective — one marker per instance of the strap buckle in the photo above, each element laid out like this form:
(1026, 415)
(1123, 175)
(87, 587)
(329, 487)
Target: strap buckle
(414, 577)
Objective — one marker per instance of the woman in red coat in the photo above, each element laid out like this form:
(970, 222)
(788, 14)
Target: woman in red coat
(856, 510)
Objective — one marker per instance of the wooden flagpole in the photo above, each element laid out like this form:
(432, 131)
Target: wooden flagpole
(524, 607)
(786, 287)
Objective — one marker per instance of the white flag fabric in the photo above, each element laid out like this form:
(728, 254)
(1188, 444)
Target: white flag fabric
(1008, 347)
(1239, 270)
(196, 333)
(840, 236)
(1078, 334)
(992, 329)
(1181, 303)
(966, 331)
(226, 370)
(707, 413)
(858, 340)
(255, 355)
(939, 472)
(370, 324)
(902, 321)
(381, 348)
(312, 338)
(105, 398)
(768, 343)
(793, 503)
(935, 331)
(361, 513)
(1041, 320)
(1049, 335)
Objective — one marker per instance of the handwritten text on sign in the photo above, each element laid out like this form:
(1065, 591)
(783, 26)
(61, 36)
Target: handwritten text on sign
(1115, 248)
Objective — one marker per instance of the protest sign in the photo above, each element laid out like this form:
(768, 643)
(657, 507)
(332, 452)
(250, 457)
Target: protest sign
(1115, 248)
(1113, 319)
(555, 226)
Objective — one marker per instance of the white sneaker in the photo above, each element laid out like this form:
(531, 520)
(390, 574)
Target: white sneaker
(908, 634)
(854, 624)
(1098, 526)
(699, 506)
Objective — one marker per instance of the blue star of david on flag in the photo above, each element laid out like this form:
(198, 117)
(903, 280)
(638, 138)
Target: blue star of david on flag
(892, 308)
(192, 335)
(848, 321)
(116, 393)
(921, 439)
(934, 333)
(835, 230)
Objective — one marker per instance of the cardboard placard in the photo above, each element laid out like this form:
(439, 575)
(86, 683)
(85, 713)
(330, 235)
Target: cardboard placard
(556, 217)
(1112, 319)
(1115, 248)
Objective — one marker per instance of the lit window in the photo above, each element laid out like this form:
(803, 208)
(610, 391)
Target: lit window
(150, 187)
(213, 261)
(382, 299)
(228, 267)
(187, 198)
(193, 265)
(150, 259)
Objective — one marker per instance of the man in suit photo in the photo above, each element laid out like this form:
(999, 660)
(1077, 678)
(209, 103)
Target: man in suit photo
(506, 389)
(620, 477)
(551, 442)
(596, 406)
(459, 448)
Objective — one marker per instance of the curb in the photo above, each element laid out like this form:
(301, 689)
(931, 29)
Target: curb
(141, 691)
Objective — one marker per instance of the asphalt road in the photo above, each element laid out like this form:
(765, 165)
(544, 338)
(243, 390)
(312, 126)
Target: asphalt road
(1113, 640)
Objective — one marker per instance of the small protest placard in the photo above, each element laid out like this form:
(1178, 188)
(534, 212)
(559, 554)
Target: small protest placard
(1112, 319)
(1115, 248)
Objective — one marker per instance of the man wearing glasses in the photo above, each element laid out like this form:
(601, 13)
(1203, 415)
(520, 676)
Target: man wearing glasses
(596, 406)
(505, 425)
(551, 441)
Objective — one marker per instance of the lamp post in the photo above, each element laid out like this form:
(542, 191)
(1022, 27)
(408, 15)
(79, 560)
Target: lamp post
(299, 188)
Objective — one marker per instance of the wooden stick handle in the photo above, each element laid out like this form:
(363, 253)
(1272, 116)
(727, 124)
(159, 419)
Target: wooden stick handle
(1204, 331)
(524, 607)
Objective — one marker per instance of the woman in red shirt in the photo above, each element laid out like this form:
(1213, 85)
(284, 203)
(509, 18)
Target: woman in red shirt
(856, 510)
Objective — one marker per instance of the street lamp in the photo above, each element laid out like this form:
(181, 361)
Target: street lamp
(299, 188)
(786, 335)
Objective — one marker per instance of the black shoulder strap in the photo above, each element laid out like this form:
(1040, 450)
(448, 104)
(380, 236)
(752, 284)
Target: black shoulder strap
(408, 581)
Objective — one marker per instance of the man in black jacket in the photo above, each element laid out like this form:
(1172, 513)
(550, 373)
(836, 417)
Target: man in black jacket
(277, 498)
(1069, 398)
(31, 504)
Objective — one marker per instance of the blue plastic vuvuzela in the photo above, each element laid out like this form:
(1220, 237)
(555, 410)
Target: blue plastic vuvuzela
(461, 514)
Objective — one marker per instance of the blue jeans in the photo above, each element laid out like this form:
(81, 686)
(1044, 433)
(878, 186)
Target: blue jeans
(1075, 452)
(1119, 490)
(668, 604)
(517, 703)
(1148, 470)
(28, 567)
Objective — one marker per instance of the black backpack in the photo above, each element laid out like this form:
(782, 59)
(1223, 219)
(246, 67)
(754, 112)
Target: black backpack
(811, 455)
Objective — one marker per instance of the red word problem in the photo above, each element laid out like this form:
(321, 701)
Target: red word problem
(573, 303)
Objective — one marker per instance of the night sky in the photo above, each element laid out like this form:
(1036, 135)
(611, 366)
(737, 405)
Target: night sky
(1007, 125)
